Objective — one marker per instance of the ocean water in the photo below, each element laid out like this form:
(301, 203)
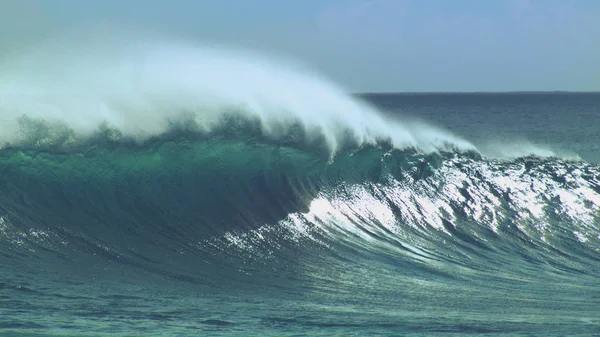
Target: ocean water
(218, 194)
(509, 125)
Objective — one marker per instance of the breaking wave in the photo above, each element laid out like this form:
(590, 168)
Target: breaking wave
(204, 152)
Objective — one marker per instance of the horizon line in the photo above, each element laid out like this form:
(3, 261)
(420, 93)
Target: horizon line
(475, 92)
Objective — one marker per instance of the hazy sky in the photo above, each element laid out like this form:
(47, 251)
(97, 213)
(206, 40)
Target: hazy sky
(369, 45)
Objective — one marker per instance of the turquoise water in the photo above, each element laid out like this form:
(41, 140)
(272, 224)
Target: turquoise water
(234, 233)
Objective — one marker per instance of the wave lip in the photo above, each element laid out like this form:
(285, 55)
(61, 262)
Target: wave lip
(140, 91)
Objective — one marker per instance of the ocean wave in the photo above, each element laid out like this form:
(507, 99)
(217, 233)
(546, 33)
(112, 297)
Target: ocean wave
(173, 158)
(215, 200)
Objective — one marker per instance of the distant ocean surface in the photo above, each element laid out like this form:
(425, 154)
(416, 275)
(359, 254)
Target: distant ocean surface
(288, 208)
(509, 124)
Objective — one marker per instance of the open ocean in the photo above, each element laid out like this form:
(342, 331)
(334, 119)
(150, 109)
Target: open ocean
(278, 205)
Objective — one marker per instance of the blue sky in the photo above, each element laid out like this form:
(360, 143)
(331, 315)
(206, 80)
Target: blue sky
(370, 45)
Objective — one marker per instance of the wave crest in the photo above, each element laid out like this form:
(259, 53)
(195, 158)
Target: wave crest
(140, 91)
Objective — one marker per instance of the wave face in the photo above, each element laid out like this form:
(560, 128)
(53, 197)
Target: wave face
(222, 194)
(249, 218)
(204, 189)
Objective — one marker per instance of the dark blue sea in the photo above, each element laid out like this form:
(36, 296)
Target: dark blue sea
(296, 210)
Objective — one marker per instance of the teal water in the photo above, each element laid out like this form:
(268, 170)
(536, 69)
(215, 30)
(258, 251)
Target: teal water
(237, 234)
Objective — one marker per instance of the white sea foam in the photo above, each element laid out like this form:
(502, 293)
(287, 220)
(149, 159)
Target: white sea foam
(137, 87)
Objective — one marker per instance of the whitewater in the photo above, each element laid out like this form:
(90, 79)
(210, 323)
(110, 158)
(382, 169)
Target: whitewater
(144, 90)
(161, 188)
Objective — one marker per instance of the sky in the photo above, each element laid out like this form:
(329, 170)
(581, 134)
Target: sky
(365, 46)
